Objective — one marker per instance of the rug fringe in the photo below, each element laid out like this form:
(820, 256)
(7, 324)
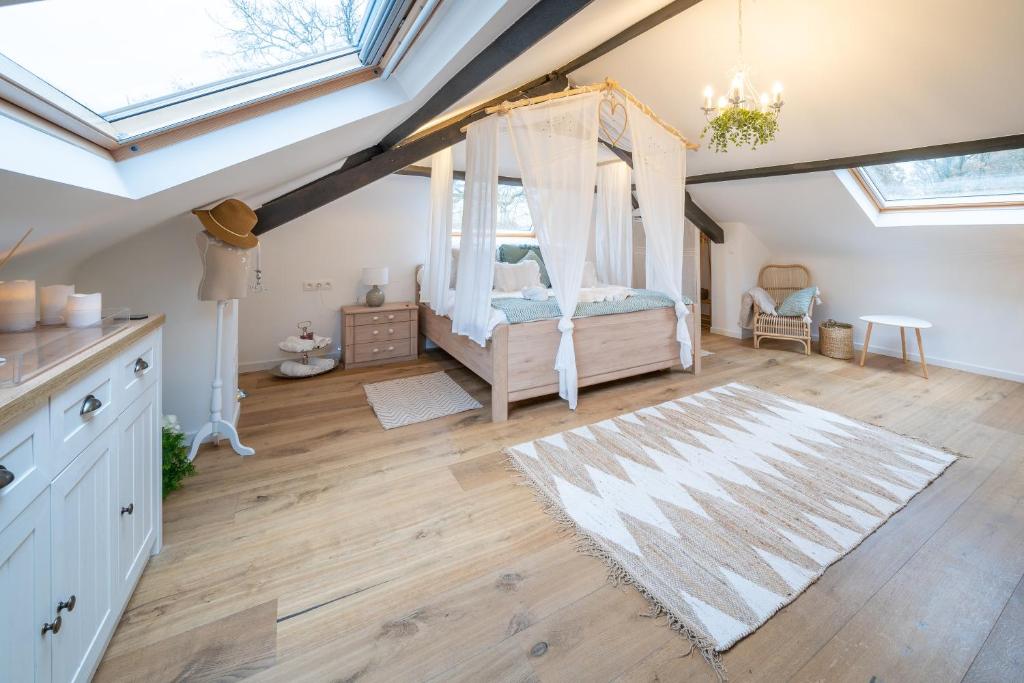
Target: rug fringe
(618, 575)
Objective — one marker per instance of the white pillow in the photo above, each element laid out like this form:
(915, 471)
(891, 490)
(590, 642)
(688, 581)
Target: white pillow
(589, 275)
(512, 277)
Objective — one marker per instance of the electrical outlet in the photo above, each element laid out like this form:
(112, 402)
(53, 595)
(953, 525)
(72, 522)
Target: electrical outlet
(323, 285)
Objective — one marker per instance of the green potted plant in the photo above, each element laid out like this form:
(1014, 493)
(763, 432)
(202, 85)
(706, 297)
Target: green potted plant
(175, 455)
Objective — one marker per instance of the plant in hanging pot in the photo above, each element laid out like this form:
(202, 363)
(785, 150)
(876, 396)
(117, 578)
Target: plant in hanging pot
(741, 127)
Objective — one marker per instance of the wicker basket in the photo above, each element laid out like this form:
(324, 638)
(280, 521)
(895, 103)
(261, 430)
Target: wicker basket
(836, 339)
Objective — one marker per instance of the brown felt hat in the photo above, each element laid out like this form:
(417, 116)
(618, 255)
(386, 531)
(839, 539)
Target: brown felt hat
(230, 221)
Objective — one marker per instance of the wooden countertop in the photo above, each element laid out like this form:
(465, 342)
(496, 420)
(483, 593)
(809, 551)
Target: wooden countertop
(16, 401)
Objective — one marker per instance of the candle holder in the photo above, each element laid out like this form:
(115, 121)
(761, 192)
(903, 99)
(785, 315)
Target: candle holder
(52, 301)
(17, 305)
(83, 310)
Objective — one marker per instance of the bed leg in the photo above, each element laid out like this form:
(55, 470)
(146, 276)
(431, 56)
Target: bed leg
(499, 374)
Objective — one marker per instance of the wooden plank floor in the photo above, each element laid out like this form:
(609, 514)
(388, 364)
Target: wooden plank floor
(343, 552)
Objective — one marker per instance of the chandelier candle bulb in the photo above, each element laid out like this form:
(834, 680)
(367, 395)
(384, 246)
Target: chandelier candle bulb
(17, 305)
(83, 310)
(52, 301)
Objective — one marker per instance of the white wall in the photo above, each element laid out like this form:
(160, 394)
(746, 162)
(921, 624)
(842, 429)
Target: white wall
(158, 271)
(734, 268)
(382, 224)
(966, 280)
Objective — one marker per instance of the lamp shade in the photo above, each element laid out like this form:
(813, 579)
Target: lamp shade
(375, 276)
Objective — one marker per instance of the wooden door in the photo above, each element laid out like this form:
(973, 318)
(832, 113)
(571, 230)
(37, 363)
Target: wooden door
(25, 603)
(137, 456)
(84, 517)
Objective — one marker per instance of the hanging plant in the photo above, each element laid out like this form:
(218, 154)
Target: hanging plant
(740, 127)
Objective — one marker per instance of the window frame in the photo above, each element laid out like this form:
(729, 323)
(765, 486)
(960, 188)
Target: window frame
(883, 205)
(148, 125)
(532, 234)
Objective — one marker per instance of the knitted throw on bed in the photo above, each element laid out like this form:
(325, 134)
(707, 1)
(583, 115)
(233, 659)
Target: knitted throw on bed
(526, 311)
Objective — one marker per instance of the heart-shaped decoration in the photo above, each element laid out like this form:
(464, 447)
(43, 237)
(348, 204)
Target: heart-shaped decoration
(614, 105)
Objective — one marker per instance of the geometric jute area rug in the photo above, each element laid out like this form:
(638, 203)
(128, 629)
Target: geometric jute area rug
(400, 402)
(724, 506)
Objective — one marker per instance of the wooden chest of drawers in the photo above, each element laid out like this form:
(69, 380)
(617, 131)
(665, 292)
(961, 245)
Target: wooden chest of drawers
(377, 335)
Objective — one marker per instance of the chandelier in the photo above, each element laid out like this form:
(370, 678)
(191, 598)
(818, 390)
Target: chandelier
(744, 116)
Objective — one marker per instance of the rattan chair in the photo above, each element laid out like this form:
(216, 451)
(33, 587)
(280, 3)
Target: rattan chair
(780, 282)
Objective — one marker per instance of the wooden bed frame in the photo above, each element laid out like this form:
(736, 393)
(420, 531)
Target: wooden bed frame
(518, 361)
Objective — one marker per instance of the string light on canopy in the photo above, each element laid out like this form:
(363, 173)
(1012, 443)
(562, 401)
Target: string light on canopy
(744, 116)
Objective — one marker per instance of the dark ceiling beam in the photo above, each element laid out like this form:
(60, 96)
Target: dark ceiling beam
(952, 149)
(399, 148)
(424, 172)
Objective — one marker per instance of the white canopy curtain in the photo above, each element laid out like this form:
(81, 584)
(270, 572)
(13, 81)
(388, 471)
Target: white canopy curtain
(659, 167)
(437, 273)
(613, 233)
(556, 145)
(479, 222)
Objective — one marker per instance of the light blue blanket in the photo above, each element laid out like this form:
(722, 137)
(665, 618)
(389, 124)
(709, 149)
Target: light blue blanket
(526, 311)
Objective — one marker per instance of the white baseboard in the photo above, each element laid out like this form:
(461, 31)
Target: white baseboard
(913, 357)
(725, 332)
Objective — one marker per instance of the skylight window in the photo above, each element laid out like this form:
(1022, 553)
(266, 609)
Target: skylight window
(971, 181)
(117, 62)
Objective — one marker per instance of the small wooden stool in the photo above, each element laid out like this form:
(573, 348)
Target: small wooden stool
(901, 322)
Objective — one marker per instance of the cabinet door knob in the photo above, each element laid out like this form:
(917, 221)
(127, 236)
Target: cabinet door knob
(69, 605)
(128, 510)
(53, 626)
(90, 405)
(6, 476)
(141, 365)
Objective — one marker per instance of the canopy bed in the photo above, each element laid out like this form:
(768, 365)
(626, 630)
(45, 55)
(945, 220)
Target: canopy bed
(584, 324)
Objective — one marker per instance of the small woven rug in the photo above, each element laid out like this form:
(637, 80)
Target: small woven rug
(724, 506)
(406, 401)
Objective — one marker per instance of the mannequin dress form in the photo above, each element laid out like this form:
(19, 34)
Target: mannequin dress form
(224, 279)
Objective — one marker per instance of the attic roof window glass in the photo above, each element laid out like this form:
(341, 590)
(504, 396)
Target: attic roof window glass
(120, 59)
(974, 180)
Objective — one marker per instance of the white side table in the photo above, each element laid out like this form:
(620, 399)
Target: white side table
(902, 322)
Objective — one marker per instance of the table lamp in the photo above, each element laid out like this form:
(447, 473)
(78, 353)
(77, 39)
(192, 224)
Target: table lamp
(374, 277)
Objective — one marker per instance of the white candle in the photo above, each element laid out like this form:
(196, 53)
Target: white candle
(83, 310)
(52, 300)
(17, 305)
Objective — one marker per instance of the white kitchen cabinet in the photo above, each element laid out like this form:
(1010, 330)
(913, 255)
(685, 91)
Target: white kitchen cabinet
(25, 594)
(137, 497)
(80, 506)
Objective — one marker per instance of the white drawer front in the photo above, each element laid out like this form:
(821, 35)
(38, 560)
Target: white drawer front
(25, 455)
(80, 413)
(138, 369)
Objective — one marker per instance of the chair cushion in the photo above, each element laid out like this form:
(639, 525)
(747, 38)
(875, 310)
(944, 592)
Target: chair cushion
(797, 303)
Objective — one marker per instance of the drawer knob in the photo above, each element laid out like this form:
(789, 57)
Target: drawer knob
(376, 317)
(140, 366)
(53, 626)
(69, 605)
(391, 330)
(391, 317)
(391, 348)
(128, 510)
(90, 405)
(376, 331)
(6, 476)
(376, 350)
